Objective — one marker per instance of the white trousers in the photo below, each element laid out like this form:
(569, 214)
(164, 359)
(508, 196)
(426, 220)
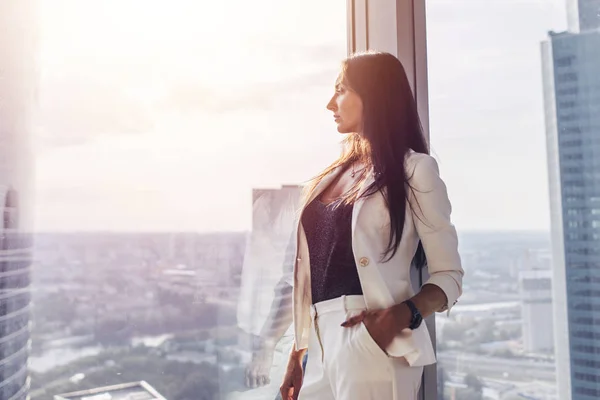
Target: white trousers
(347, 364)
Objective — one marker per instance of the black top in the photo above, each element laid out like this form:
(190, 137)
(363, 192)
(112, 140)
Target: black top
(333, 270)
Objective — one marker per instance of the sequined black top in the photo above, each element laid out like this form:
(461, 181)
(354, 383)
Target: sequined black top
(333, 270)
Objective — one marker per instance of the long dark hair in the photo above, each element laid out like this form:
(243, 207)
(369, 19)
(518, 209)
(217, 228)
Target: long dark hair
(391, 128)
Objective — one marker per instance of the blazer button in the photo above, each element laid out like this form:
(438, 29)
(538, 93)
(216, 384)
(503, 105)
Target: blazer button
(364, 261)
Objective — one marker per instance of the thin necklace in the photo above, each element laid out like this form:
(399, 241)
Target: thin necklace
(353, 172)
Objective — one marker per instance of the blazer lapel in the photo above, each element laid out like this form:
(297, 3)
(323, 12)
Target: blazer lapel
(326, 181)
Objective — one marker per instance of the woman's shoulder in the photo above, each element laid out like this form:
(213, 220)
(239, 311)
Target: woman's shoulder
(417, 163)
(422, 172)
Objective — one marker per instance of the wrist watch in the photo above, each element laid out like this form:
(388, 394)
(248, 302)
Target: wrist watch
(416, 317)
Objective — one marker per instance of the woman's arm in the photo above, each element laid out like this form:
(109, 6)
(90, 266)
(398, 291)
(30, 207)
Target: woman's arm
(280, 315)
(431, 210)
(276, 324)
(430, 299)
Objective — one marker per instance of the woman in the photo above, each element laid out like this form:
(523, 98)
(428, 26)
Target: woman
(378, 209)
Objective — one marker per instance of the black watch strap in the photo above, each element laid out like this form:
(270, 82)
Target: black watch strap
(416, 318)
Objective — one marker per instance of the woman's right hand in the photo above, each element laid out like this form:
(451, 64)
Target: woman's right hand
(294, 375)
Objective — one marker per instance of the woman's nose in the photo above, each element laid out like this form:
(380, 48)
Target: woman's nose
(331, 105)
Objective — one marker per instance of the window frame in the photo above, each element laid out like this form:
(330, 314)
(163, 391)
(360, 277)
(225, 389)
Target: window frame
(399, 27)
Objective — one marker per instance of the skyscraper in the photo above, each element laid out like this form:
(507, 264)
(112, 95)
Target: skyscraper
(536, 309)
(584, 15)
(17, 98)
(571, 73)
(15, 260)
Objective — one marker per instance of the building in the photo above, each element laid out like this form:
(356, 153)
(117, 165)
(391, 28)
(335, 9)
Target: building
(535, 287)
(126, 391)
(17, 100)
(266, 275)
(571, 65)
(15, 262)
(584, 15)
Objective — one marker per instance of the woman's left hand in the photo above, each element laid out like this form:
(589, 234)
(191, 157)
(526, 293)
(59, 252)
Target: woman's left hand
(383, 325)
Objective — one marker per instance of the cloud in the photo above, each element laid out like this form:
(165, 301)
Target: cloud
(81, 102)
(74, 110)
(257, 96)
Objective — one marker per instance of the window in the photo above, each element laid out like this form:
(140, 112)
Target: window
(587, 321)
(587, 377)
(571, 117)
(573, 130)
(573, 156)
(149, 188)
(586, 363)
(567, 104)
(565, 61)
(587, 307)
(567, 77)
(587, 391)
(568, 91)
(169, 134)
(573, 170)
(571, 143)
(500, 162)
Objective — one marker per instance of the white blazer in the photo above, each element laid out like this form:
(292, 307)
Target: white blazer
(387, 283)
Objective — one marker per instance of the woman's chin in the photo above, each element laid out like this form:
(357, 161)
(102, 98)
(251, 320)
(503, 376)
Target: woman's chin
(343, 130)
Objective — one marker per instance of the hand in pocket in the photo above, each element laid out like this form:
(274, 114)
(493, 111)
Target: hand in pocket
(383, 325)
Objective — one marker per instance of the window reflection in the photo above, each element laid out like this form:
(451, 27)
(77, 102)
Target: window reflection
(166, 134)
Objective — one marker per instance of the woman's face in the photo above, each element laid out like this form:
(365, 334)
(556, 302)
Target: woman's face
(347, 108)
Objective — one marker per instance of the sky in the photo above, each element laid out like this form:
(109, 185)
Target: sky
(163, 117)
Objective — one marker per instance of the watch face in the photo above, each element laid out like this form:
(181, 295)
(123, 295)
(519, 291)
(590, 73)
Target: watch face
(417, 320)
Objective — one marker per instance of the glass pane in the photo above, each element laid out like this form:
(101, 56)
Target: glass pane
(171, 143)
(515, 101)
